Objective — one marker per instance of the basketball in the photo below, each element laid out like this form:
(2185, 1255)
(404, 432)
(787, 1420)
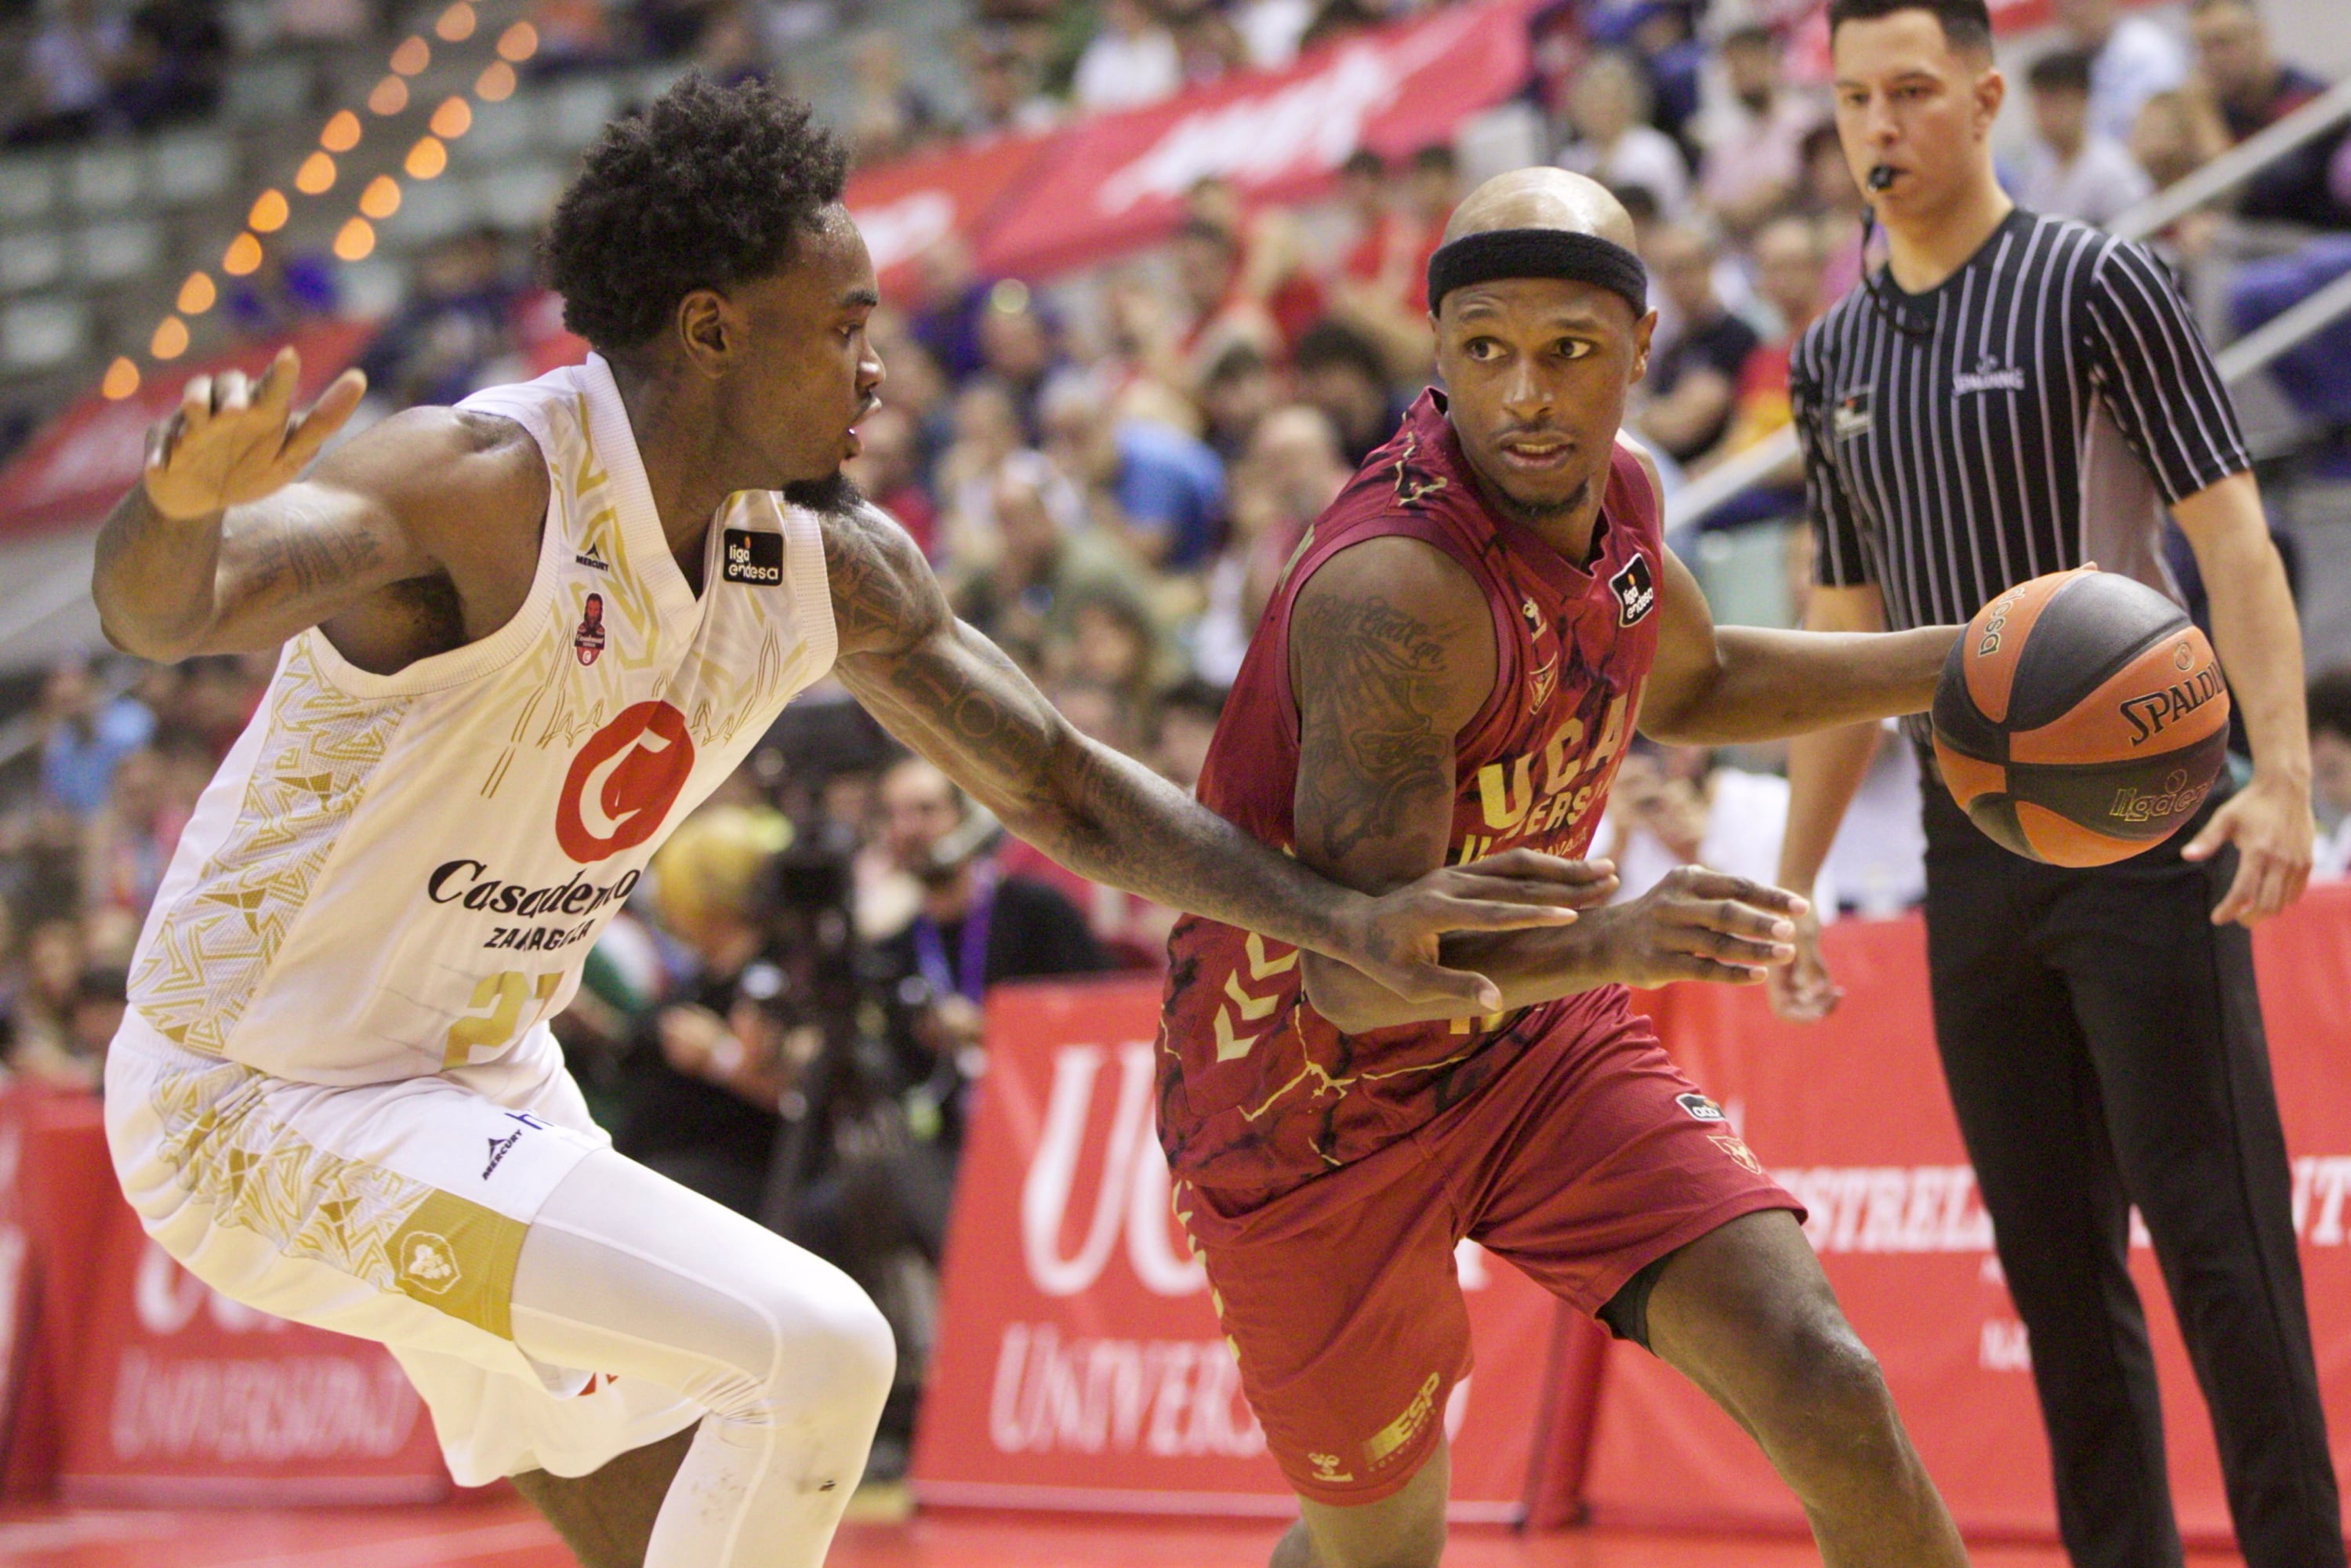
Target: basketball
(2081, 719)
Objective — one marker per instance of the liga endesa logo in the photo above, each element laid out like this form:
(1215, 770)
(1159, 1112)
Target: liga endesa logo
(623, 782)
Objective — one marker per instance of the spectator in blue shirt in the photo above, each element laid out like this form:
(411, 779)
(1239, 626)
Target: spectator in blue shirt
(1166, 488)
(84, 736)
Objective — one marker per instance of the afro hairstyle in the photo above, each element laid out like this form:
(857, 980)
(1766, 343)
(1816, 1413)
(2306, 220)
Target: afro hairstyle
(705, 187)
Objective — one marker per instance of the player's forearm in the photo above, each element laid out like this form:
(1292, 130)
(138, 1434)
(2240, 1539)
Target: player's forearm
(1824, 769)
(155, 579)
(2255, 631)
(1112, 821)
(1530, 968)
(1770, 684)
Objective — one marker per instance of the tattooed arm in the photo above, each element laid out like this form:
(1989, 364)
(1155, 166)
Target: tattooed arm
(221, 549)
(951, 694)
(1391, 652)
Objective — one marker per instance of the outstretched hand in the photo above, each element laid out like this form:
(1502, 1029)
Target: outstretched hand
(2271, 825)
(232, 441)
(1698, 924)
(1395, 942)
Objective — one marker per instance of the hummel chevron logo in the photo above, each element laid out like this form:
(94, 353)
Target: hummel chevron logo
(1253, 1007)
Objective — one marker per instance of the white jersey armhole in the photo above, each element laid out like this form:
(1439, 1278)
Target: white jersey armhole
(484, 655)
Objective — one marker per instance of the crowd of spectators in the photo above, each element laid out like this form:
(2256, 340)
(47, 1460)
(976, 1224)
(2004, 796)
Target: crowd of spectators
(86, 68)
(1109, 475)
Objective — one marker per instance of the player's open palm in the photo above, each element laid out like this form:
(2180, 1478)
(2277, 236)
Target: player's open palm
(233, 440)
(1516, 890)
(1698, 924)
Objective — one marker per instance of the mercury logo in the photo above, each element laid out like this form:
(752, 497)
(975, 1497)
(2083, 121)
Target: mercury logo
(499, 1147)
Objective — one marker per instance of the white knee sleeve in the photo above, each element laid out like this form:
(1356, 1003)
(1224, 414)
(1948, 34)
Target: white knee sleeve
(627, 1273)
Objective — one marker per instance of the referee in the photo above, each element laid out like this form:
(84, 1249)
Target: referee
(2012, 396)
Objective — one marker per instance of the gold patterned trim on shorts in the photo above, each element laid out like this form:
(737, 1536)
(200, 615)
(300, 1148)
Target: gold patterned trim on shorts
(258, 1174)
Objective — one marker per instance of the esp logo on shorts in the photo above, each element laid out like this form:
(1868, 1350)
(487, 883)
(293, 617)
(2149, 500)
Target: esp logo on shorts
(753, 557)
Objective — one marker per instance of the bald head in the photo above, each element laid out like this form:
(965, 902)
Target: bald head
(1542, 325)
(1543, 198)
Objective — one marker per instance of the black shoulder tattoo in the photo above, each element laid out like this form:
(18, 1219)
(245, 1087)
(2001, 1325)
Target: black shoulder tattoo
(1377, 673)
(883, 596)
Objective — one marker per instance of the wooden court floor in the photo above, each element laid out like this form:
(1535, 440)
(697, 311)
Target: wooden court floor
(504, 1533)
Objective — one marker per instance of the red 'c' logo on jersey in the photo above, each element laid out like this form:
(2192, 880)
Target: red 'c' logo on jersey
(623, 782)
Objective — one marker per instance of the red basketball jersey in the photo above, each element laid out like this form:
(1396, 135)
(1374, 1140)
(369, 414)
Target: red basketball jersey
(1257, 1090)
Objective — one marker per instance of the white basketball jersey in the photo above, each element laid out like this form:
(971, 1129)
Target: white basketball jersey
(392, 874)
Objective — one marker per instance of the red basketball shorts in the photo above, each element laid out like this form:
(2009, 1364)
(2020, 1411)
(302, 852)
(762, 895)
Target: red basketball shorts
(1583, 1161)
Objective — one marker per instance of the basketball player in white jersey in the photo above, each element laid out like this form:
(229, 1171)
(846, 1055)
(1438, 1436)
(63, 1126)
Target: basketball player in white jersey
(522, 639)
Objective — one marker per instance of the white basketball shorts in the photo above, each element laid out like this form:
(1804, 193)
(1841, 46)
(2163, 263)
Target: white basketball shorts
(391, 1211)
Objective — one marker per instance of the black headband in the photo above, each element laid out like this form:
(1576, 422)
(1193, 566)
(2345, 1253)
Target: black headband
(1538, 253)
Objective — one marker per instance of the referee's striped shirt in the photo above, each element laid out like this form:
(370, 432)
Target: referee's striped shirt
(2035, 410)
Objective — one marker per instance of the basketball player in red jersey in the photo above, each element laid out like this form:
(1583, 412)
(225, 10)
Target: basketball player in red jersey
(1454, 663)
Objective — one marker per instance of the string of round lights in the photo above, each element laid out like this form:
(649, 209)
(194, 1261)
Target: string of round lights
(426, 159)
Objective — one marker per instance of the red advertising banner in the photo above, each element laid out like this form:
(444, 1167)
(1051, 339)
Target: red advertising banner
(1079, 1364)
(184, 1397)
(76, 469)
(1118, 181)
(55, 1184)
(1851, 1116)
(904, 208)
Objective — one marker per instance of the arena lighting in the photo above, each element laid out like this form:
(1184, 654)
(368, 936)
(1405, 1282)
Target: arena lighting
(381, 198)
(425, 160)
(355, 241)
(518, 42)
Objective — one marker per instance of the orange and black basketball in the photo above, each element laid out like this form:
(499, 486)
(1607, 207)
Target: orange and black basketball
(2081, 719)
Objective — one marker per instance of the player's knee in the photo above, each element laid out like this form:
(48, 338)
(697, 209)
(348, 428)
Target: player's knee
(1826, 1383)
(861, 1356)
(837, 1352)
(801, 1339)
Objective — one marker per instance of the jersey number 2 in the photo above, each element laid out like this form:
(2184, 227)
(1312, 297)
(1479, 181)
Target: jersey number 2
(497, 1017)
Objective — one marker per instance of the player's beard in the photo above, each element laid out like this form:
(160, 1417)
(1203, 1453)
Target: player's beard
(1534, 514)
(835, 493)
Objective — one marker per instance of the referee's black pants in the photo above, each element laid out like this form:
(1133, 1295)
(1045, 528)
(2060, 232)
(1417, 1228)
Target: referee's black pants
(2103, 1043)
